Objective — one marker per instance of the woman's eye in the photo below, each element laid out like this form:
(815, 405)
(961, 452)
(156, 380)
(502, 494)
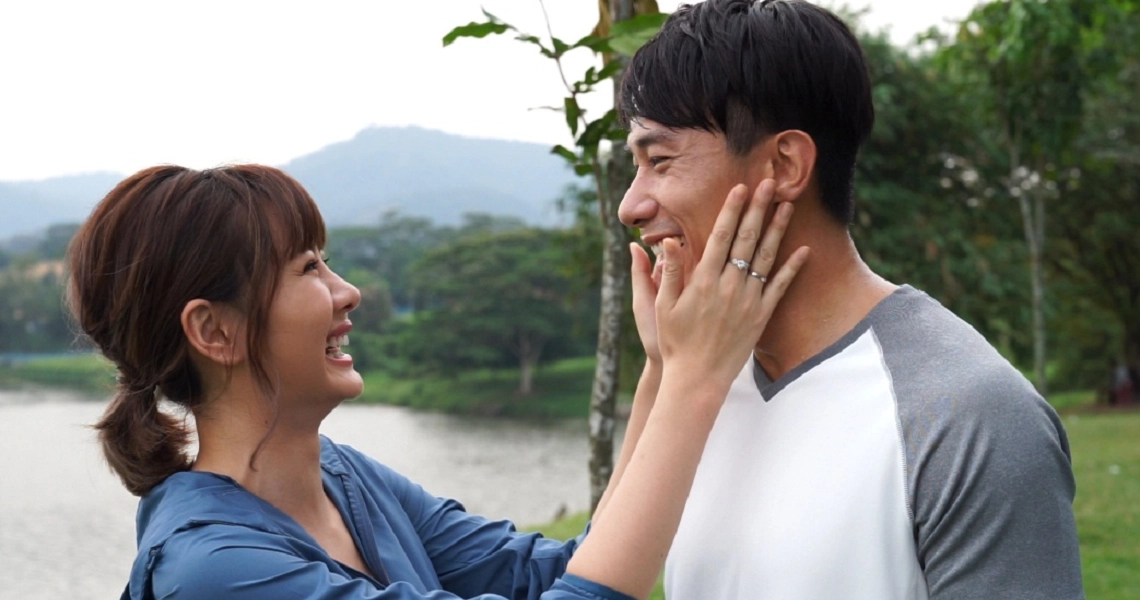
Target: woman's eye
(312, 265)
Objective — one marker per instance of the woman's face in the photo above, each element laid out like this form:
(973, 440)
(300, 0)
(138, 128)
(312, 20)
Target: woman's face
(308, 323)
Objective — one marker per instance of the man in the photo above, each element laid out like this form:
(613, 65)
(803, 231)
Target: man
(877, 447)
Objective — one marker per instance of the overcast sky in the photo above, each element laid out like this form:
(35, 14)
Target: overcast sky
(123, 84)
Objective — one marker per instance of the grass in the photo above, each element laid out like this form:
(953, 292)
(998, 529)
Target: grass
(1070, 401)
(1106, 462)
(561, 389)
(88, 371)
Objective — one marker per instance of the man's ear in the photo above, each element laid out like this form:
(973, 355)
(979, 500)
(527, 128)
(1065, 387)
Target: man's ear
(793, 163)
(215, 331)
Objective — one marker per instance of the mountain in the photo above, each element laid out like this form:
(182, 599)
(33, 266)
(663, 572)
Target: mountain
(28, 207)
(416, 171)
(432, 174)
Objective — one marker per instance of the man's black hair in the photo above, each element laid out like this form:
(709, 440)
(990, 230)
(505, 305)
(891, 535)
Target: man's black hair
(750, 69)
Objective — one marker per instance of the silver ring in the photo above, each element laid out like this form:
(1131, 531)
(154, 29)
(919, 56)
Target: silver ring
(762, 278)
(740, 264)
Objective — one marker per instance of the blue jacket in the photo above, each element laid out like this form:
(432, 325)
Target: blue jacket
(201, 536)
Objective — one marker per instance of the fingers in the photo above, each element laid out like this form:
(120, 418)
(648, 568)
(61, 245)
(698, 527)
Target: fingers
(765, 255)
(778, 283)
(641, 272)
(672, 274)
(752, 223)
(723, 233)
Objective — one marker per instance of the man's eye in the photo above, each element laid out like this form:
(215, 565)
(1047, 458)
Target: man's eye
(655, 161)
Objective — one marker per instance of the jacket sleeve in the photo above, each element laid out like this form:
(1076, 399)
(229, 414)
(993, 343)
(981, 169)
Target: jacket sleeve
(225, 561)
(473, 555)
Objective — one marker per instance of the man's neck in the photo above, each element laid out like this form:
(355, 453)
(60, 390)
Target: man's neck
(831, 294)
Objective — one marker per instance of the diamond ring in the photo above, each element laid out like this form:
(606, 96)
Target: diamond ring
(740, 264)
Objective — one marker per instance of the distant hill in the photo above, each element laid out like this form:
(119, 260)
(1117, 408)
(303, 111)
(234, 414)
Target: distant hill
(431, 174)
(416, 171)
(28, 207)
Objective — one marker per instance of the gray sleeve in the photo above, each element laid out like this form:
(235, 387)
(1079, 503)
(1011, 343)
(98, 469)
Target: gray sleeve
(989, 475)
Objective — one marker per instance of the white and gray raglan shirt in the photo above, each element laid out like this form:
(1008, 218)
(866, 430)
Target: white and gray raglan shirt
(907, 461)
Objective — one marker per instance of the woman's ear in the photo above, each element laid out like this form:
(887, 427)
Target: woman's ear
(215, 331)
(793, 163)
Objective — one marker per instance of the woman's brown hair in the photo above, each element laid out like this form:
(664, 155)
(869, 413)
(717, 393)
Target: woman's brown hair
(163, 237)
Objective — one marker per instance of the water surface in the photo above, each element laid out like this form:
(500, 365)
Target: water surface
(67, 525)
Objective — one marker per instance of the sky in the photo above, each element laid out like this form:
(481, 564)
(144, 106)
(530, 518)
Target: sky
(119, 85)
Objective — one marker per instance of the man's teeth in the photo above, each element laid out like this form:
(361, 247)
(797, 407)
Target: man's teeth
(659, 247)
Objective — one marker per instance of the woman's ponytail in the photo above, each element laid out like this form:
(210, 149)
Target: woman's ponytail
(142, 444)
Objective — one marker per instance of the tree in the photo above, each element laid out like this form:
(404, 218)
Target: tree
(927, 211)
(1025, 57)
(1097, 253)
(387, 250)
(493, 294)
(623, 26)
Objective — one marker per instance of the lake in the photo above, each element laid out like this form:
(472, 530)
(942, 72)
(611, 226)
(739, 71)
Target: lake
(67, 524)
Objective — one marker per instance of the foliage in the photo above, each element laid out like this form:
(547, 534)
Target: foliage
(562, 390)
(88, 371)
(1097, 252)
(927, 213)
(490, 295)
(609, 39)
(32, 317)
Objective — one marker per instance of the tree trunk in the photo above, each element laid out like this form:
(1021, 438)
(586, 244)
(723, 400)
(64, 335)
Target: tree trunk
(615, 286)
(530, 351)
(526, 379)
(1032, 203)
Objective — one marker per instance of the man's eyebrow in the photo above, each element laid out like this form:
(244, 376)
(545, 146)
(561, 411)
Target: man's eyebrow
(657, 136)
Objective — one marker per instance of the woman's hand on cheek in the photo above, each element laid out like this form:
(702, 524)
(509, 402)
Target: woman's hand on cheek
(707, 328)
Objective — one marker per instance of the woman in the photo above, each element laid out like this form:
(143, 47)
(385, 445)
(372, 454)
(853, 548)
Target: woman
(207, 289)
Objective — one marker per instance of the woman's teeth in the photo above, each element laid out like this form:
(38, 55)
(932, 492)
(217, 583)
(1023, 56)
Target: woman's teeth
(334, 344)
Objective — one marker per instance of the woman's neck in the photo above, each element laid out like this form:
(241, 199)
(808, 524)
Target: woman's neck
(243, 436)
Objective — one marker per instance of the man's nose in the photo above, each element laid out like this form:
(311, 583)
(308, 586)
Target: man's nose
(636, 208)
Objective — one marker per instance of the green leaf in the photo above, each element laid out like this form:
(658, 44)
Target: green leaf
(475, 30)
(612, 68)
(593, 42)
(617, 134)
(560, 46)
(596, 130)
(535, 40)
(627, 36)
(565, 152)
(573, 112)
(584, 169)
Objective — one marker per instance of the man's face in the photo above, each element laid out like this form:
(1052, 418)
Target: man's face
(683, 177)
